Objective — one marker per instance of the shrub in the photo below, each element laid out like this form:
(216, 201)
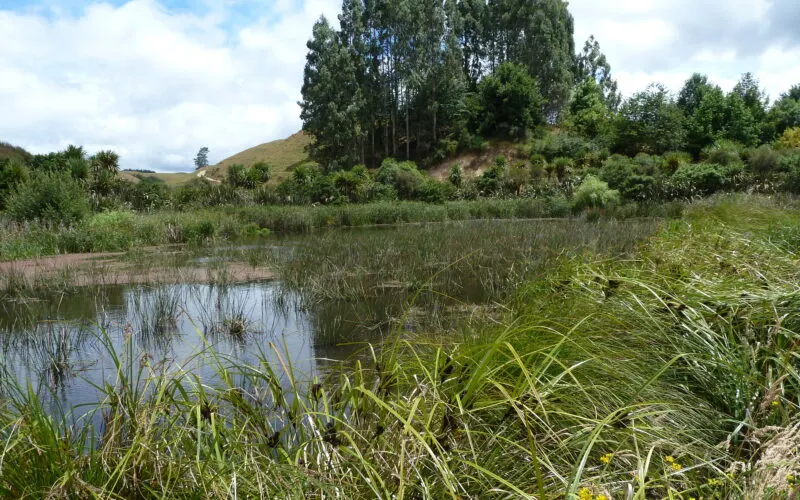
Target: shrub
(649, 164)
(492, 181)
(266, 195)
(433, 191)
(564, 145)
(111, 231)
(198, 231)
(562, 167)
(617, 170)
(12, 173)
(146, 194)
(238, 176)
(375, 191)
(700, 179)
(722, 153)
(632, 178)
(445, 149)
(194, 193)
(54, 198)
(673, 161)
(306, 185)
(456, 176)
(349, 183)
(260, 173)
(790, 138)
(404, 177)
(538, 166)
(78, 168)
(517, 177)
(763, 161)
(594, 193)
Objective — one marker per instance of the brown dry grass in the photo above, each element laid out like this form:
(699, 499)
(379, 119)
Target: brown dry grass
(100, 269)
(283, 155)
(778, 464)
(171, 179)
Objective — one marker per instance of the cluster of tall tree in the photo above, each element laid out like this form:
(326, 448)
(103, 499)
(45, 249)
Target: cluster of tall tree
(702, 114)
(397, 78)
(412, 79)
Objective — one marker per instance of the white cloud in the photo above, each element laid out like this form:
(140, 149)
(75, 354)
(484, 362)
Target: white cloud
(668, 40)
(156, 84)
(152, 84)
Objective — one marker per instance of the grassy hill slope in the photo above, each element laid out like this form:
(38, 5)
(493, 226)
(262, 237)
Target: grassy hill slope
(283, 155)
(8, 151)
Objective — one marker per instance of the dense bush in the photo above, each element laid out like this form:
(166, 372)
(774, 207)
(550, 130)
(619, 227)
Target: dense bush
(147, 194)
(763, 161)
(789, 167)
(493, 180)
(404, 177)
(594, 193)
(635, 179)
(12, 173)
(722, 153)
(673, 161)
(110, 231)
(54, 198)
(564, 145)
(790, 138)
(701, 179)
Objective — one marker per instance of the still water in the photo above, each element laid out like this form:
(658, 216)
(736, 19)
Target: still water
(63, 346)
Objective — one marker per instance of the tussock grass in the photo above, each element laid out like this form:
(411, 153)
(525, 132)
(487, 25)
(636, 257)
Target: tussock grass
(473, 261)
(654, 376)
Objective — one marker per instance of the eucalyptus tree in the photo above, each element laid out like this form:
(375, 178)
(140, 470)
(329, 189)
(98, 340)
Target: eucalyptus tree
(332, 103)
(592, 63)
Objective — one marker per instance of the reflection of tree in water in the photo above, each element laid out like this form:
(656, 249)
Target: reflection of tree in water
(80, 304)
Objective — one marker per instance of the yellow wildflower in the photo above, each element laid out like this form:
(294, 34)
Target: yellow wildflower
(669, 459)
(714, 482)
(790, 478)
(776, 403)
(606, 459)
(601, 497)
(585, 494)
(676, 467)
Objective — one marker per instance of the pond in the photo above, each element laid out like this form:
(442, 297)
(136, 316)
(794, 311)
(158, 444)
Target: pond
(310, 302)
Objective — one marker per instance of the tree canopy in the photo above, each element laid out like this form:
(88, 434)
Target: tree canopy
(395, 79)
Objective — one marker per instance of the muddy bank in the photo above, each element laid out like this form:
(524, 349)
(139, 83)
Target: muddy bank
(99, 269)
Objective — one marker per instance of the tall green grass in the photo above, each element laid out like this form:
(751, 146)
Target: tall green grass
(121, 231)
(657, 376)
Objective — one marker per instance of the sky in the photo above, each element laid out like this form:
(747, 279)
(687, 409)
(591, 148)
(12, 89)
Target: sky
(155, 80)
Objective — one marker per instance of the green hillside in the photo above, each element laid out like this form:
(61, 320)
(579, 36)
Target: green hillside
(283, 155)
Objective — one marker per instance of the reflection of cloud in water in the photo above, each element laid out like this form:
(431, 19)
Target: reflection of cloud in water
(55, 343)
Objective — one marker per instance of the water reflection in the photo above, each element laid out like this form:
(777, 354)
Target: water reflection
(64, 345)
(59, 344)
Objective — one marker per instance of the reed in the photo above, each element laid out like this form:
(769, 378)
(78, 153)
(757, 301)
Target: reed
(661, 374)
